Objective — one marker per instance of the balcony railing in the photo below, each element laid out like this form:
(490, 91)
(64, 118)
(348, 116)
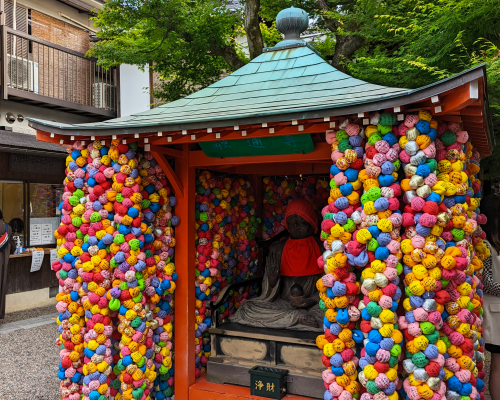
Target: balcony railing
(54, 76)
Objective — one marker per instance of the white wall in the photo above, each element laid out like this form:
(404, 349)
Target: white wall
(27, 110)
(134, 90)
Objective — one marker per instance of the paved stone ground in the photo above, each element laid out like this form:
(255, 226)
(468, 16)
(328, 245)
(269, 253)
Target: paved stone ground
(29, 357)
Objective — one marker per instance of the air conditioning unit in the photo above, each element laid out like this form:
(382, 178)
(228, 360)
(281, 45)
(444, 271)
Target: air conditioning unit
(104, 96)
(22, 73)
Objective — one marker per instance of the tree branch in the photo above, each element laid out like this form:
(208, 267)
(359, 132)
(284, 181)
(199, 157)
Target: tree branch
(228, 53)
(345, 45)
(252, 28)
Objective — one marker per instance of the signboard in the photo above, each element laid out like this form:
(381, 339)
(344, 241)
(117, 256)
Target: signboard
(42, 230)
(36, 260)
(268, 146)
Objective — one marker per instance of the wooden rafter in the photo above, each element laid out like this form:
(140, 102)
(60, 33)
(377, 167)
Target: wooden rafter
(170, 173)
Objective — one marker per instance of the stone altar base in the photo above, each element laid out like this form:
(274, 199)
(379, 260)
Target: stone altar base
(237, 348)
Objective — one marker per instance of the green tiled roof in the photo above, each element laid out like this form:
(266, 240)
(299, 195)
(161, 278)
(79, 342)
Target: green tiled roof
(280, 85)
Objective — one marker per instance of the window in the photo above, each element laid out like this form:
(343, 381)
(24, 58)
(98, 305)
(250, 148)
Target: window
(12, 206)
(31, 210)
(44, 212)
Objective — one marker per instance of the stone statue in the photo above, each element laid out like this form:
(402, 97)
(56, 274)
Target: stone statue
(289, 298)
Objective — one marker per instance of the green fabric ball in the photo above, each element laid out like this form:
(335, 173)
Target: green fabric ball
(396, 350)
(137, 393)
(116, 382)
(95, 217)
(145, 204)
(371, 387)
(373, 309)
(119, 239)
(148, 253)
(200, 189)
(383, 129)
(79, 193)
(427, 328)
(324, 235)
(448, 138)
(114, 304)
(433, 337)
(74, 201)
(136, 322)
(372, 245)
(119, 197)
(387, 119)
(393, 361)
(342, 135)
(432, 164)
(420, 360)
(344, 145)
(374, 193)
(77, 221)
(374, 138)
(322, 306)
(349, 226)
(63, 274)
(458, 234)
(364, 198)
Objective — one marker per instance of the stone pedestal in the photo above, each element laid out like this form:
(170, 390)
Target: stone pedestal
(237, 348)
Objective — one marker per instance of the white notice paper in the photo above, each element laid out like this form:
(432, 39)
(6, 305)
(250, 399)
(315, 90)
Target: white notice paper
(36, 261)
(53, 257)
(47, 234)
(35, 234)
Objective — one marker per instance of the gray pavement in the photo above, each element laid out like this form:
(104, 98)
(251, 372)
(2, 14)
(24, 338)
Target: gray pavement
(29, 358)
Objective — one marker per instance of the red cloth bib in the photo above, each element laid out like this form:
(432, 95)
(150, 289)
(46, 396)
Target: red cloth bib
(300, 257)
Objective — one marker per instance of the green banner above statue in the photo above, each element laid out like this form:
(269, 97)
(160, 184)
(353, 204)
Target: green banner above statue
(269, 146)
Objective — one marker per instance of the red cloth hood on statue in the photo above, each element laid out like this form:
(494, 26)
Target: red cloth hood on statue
(300, 256)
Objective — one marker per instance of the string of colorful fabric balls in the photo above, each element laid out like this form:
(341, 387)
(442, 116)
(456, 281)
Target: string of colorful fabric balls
(117, 275)
(226, 250)
(431, 242)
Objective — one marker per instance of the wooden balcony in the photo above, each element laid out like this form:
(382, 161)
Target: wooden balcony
(37, 72)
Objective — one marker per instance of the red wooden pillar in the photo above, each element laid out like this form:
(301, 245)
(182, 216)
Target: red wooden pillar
(185, 266)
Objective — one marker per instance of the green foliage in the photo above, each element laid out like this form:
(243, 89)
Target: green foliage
(406, 43)
(411, 43)
(177, 37)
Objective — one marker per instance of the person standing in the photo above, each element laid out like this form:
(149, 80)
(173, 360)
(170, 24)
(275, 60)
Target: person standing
(6, 248)
(491, 281)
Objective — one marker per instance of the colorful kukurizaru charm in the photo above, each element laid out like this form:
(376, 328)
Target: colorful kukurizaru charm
(226, 250)
(338, 287)
(380, 278)
(442, 319)
(116, 291)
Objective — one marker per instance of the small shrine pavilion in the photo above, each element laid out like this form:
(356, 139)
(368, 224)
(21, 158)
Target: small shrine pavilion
(267, 118)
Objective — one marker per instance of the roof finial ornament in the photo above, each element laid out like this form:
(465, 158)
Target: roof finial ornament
(291, 22)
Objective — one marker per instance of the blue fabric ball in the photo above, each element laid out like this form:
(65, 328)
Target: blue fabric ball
(423, 170)
(381, 253)
(423, 126)
(385, 180)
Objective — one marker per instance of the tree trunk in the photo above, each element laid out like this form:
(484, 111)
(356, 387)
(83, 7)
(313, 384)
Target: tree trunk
(228, 53)
(345, 47)
(252, 28)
